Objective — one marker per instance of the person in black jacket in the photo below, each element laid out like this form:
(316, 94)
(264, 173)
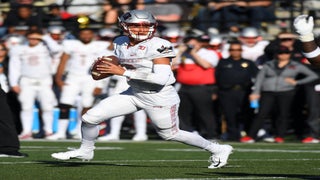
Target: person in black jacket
(234, 77)
(9, 142)
(275, 88)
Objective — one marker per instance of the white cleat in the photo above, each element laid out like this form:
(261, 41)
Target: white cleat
(56, 137)
(142, 137)
(84, 155)
(220, 158)
(109, 137)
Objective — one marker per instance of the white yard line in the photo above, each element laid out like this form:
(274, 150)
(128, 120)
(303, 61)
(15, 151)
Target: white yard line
(248, 150)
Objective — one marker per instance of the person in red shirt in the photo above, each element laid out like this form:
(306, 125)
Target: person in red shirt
(195, 74)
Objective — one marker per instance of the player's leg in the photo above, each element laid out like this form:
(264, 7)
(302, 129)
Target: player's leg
(166, 122)
(27, 98)
(68, 98)
(47, 101)
(115, 128)
(140, 124)
(110, 107)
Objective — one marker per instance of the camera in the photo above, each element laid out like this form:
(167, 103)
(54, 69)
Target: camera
(189, 47)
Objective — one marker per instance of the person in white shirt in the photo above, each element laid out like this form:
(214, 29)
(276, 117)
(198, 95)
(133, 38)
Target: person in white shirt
(30, 76)
(78, 56)
(253, 44)
(146, 62)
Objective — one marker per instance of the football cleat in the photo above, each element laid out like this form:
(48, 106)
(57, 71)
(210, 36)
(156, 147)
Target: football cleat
(220, 158)
(109, 137)
(56, 136)
(141, 137)
(310, 140)
(84, 155)
(278, 140)
(247, 139)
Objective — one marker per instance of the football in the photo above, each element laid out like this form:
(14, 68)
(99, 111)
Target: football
(96, 75)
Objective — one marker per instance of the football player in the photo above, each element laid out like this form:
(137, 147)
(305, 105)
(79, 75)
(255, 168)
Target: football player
(304, 27)
(145, 61)
(30, 76)
(78, 55)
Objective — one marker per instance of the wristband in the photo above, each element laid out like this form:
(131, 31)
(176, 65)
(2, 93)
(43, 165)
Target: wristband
(312, 54)
(306, 37)
(127, 74)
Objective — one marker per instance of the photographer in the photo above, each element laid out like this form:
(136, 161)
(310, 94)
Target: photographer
(195, 74)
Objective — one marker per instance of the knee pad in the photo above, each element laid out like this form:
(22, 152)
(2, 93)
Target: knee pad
(64, 111)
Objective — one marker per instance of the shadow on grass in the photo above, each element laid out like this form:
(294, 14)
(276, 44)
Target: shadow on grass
(80, 164)
(248, 175)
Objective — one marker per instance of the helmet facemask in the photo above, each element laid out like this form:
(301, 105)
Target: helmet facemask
(138, 18)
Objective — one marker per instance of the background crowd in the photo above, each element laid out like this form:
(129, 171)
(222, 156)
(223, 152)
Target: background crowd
(238, 78)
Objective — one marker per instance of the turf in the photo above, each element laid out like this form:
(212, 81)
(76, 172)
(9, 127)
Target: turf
(164, 160)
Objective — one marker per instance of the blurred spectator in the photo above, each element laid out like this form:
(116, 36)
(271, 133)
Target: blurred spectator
(216, 44)
(114, 9)
(78, 55)
(53, 16)
(195, 74)
(228, 15)
(168, 14)
(30, 77)
(307, 99)
(110, 14)
(3, 15)
(176, 36)
(11, 41)
(275, 89)
(286, 39)
(23, 16)
(253, 44)
(4, 68)
(9, 142)
(81, 9)
(235, 76)
(56, 35)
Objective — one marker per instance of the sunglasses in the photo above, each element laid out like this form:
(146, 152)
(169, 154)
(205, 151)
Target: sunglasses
(286, 39)
(235, 49)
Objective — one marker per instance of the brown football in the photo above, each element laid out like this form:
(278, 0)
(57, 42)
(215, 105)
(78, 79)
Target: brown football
(96, 75)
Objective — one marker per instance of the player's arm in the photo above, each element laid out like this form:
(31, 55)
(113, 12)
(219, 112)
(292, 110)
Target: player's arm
(160, 74)
(61, 68)
(14, 72)
(304, 27)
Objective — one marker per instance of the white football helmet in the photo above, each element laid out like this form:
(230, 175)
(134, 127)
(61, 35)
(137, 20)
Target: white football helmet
(173, 34)
(138, 18)
(250, 32)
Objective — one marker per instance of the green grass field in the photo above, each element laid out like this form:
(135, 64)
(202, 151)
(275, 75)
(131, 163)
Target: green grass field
(163, 160)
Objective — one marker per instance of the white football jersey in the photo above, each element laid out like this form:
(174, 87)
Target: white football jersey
(252, 53)
(32, 62)
(139, 58)
(82, 55)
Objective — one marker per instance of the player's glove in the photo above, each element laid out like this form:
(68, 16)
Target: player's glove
(304, 27)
